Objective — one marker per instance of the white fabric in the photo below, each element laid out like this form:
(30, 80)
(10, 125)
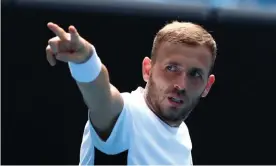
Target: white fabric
(149, 140)
(88, 71)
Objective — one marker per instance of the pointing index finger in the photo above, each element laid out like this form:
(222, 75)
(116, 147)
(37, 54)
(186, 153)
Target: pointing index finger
(57, 30)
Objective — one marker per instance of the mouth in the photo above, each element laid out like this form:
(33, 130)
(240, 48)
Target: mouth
(175, 101)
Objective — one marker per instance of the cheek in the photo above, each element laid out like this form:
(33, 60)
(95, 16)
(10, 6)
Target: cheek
(159, 87)
(160, 79)
(196, 89)
(196, 83)
(167, 79)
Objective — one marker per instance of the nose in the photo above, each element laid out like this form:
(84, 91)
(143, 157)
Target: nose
(181, 84)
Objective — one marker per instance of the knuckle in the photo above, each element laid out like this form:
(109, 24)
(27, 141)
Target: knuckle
(54, 46)
(49, 41)
(53, 40)
(48, 48)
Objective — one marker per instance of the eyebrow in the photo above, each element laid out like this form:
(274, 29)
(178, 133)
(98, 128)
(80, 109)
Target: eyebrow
(197, 69)
(174, 63)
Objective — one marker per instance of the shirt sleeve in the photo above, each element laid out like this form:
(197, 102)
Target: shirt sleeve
(118, 141)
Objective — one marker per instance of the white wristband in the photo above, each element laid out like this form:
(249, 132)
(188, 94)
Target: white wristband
(88, 71)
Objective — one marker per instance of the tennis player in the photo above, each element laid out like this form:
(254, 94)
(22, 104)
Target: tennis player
(149, 121)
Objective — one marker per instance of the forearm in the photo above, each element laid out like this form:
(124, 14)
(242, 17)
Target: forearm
(102, 99)
(96, 91)
(93, 80)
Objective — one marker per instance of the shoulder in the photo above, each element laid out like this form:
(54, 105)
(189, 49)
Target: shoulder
(134, 99)
(134, 103)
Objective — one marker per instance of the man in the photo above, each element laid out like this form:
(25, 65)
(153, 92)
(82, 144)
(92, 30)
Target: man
(148, 122)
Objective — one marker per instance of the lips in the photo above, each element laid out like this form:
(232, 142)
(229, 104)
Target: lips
(175, 101)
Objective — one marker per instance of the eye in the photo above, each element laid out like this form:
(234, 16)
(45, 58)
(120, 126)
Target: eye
(195, 74)
(172, 68)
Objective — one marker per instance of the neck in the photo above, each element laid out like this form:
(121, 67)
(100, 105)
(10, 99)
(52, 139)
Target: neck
(155, 111)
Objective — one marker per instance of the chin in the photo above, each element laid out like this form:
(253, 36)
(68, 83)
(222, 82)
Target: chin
(174, 113)
(170, 114)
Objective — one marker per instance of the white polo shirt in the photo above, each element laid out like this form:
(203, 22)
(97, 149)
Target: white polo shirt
(149, 140)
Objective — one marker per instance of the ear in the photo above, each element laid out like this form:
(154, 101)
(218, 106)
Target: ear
(210, 82)
(146, 67)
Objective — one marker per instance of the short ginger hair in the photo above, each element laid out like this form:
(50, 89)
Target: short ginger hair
(184, 33)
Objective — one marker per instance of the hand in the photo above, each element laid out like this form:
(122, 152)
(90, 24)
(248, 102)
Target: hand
(67, 47)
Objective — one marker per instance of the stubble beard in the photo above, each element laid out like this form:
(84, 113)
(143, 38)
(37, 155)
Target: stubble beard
(154, 102)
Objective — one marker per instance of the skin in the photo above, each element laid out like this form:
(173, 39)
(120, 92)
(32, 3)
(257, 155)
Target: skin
(179, 71)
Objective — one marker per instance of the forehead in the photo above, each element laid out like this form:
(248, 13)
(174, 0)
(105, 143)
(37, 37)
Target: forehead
(190, 56)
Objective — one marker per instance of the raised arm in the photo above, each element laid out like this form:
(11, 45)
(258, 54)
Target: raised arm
(103, 100)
